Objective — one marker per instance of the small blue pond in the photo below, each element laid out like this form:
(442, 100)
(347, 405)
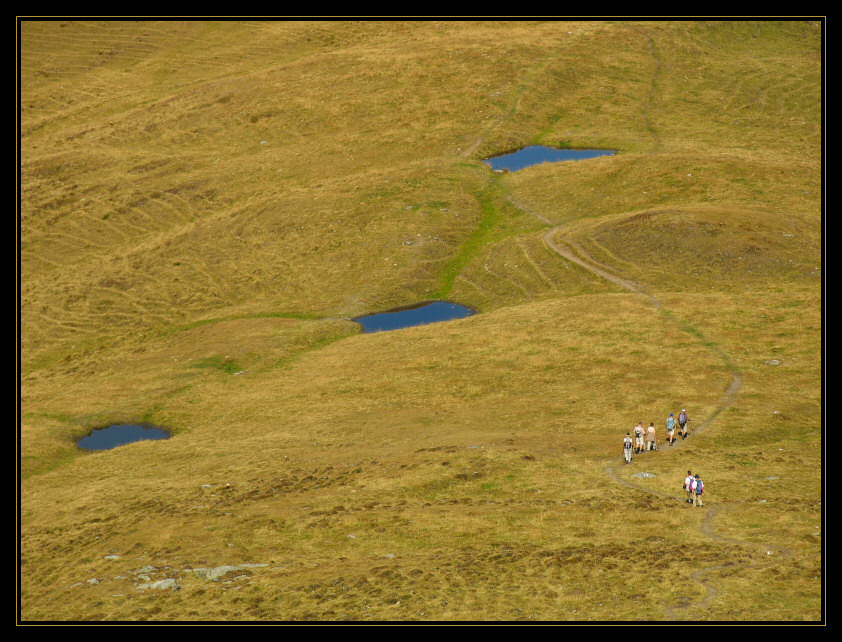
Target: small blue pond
(407, 317)
(120, 434)
(536, 154)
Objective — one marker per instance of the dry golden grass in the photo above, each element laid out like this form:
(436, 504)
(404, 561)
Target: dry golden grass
(205, 204)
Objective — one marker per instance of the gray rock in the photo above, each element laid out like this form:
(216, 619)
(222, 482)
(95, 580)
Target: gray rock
(93, 581)
(644, 475)
(111, 557)
(148, 569)
(214, 574)
(160, 584)
(772, 477)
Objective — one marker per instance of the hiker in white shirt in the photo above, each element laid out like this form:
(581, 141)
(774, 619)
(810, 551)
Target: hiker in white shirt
(698, 490)
(627, 449)
(688, 486)
(638, 437)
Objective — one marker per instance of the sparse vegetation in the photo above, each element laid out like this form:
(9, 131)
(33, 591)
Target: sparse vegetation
(205, 205)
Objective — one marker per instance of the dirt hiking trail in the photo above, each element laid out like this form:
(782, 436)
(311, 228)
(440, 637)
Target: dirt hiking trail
(684, 609)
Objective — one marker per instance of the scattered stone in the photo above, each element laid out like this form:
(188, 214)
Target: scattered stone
(773, 362)
(772, 477)
(93, 581)
(762, 501)
(148, 569)
(144, 578)
(644, 475)
(388, 555)
(160, 584)
(350, 537)
(111, 557)
(215, 574)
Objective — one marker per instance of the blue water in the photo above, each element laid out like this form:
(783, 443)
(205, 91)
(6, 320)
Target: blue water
(536, 154)
(416, 315)
(120, 434)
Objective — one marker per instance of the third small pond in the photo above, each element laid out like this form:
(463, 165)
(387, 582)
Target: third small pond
(537, 154)
(120, 434)
(419, 314)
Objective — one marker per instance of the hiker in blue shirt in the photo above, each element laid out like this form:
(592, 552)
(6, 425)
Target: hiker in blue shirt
(698, 490)
(670, 428)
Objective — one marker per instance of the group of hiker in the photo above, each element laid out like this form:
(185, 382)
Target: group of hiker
(645, 439)
(695, 488)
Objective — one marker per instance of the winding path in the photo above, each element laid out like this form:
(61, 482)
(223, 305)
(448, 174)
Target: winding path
(569, 251)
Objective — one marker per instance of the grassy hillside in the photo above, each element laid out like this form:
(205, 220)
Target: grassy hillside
(205, 205)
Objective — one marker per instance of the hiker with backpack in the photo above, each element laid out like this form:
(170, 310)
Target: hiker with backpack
(627, 449)
(651, 442)
(671, 428)
(688, 486)
(638, 437)
(698, 490)
(683, 420)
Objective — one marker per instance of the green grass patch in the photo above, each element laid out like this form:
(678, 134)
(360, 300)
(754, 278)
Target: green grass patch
(218, 362)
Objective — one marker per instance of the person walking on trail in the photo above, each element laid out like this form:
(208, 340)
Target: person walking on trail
(638, 437)
(651, 442)
(670, 432)
(627, 449)
(688, 486)
(698, 490)
(683, 420)
(670, 427)
(693, 481)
